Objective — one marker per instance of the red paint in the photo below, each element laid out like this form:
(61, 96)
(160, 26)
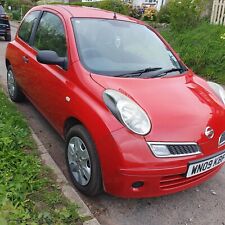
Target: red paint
(180, 108)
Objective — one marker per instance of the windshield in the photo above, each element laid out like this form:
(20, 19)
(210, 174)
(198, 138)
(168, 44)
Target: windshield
(112, 47)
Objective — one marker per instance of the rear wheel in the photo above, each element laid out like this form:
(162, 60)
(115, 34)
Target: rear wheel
(14, 90)
(82, 161)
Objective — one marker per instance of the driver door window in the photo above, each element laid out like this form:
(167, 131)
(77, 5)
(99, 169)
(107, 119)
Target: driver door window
(50, 35)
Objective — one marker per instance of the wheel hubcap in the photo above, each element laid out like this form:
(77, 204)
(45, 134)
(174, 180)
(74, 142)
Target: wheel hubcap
(11, 83)
(79, 161)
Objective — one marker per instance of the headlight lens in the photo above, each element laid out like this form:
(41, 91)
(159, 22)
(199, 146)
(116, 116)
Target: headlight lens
(127, 112)
(219, 91)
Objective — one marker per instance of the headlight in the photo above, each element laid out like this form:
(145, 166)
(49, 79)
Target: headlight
(219, 91)
(174, 149)
(127, 112)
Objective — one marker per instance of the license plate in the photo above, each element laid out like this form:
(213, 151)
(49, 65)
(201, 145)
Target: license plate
(205, 164)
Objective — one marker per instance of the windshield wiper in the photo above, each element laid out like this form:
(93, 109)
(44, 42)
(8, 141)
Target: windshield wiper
(164, 72)
(138, 73)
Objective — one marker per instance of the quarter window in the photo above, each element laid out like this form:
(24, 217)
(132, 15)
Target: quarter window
(27, 26)
(51, 35)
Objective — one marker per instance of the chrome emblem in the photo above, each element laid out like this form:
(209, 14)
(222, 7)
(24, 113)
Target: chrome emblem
(209, 132)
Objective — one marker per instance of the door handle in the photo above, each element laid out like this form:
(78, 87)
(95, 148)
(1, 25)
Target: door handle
(25, 59)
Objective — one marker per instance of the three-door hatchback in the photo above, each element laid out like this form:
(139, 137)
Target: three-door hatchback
(137, 122)
(5, 30)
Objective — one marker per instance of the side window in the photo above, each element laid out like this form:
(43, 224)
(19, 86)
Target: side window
(27, 25)
(50, 35)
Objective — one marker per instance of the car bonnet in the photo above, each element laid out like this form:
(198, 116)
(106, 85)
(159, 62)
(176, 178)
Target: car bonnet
(179, 107)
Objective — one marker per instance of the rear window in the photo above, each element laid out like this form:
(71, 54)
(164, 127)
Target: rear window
(2, 11)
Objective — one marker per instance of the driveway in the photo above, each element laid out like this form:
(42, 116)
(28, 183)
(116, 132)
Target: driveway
(201, 205)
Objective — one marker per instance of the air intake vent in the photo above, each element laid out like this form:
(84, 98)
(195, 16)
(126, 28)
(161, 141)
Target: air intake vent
(182, 149)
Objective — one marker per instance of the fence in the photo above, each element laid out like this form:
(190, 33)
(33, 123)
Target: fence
(218, 12)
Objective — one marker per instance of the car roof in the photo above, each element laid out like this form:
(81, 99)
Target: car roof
(87, 12)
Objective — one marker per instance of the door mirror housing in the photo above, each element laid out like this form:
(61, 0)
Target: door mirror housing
(51, 58)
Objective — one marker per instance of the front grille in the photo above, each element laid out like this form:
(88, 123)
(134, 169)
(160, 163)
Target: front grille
(175, 181)
(183, 149)
(222, 139)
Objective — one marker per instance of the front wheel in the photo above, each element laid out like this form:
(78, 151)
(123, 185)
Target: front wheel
(82, 161)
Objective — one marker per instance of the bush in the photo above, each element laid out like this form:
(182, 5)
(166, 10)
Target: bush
(135, 12)
(16, 15)
(202, 49)
(150, 14)
(111, 5)
(182, 14)
(163, 15)
(114, 6)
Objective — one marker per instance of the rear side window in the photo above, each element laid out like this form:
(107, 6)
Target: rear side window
(51, 35)
(27, 25)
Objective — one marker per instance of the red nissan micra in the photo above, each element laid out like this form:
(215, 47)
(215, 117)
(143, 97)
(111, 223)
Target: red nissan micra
(137, 122)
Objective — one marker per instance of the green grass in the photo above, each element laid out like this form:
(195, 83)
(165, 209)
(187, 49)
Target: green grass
(202, 49)
(28, 194)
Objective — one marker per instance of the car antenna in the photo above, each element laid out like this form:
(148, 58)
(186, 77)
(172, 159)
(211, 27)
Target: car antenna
(114, 17)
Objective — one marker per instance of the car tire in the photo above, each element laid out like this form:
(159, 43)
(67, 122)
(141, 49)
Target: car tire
(83, 162)
(15, 93)
(8, 37)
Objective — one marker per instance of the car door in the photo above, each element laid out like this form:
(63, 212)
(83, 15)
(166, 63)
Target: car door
(48, 89)
(22, 48)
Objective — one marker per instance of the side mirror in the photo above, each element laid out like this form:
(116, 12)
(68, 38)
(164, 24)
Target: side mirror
(51, 58)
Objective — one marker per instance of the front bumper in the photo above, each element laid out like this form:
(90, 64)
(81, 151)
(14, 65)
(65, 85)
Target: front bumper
(127, 159)
(156, 185)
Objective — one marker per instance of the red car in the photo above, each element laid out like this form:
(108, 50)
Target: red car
(137, 122)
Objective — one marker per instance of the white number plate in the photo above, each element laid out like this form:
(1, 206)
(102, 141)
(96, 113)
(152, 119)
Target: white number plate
(204, 165)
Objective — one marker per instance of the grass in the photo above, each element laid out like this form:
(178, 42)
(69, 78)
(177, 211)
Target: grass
(28, 194)
(202, 49)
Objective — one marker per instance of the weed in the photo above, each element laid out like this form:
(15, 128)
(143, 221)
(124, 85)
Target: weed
(28, 194)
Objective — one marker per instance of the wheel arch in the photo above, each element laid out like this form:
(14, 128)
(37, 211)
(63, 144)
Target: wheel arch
(69, 123)
(7, 63)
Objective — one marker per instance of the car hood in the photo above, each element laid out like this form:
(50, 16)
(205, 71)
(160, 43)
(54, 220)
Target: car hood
(180, 107)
